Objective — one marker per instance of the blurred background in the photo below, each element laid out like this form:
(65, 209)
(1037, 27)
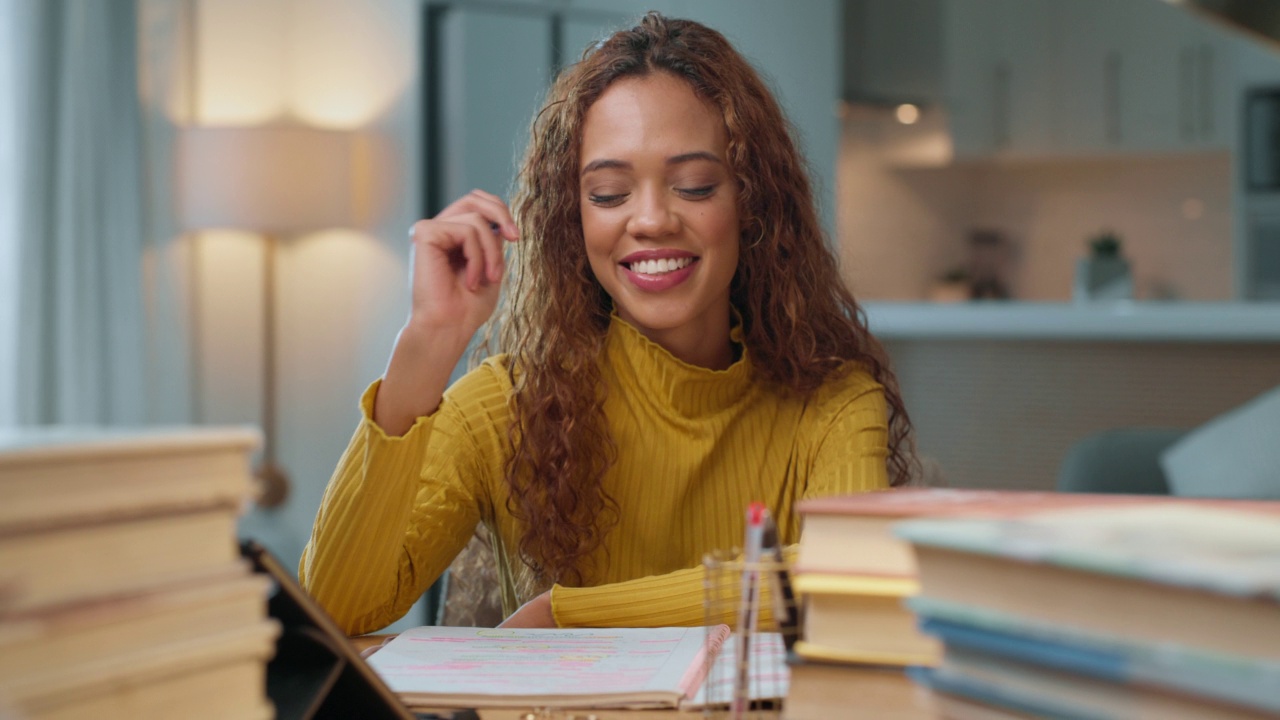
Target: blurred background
(1063, 216)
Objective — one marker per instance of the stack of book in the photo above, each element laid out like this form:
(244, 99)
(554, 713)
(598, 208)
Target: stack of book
(857, 578)
(122, 589)
(1163, 610)
(852, 574)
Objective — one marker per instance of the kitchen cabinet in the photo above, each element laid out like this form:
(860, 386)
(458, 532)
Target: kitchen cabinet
(891, 53)
(998, 77)
(1054, 78)
(1140, 77)
(1209, 101)
(1088, 78)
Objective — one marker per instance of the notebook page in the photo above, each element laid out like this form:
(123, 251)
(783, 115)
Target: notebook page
(507, 664)
(769, 677)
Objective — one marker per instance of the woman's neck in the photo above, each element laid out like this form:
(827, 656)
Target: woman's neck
(705, 344)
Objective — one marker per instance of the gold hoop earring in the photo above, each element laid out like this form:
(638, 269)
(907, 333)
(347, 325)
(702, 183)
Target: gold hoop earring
(753, 245)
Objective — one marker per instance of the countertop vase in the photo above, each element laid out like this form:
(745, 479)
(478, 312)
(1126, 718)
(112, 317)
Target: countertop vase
(1102, 278)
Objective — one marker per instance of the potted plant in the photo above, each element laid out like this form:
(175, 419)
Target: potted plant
(1104, 274)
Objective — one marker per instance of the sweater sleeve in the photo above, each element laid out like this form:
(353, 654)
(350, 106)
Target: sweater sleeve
(852, 447)
(387, 526)
(678, 598)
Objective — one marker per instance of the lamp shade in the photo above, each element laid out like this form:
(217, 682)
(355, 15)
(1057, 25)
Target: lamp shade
(271, 179)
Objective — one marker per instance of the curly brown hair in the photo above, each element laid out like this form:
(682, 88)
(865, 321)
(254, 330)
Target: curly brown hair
(799, 322)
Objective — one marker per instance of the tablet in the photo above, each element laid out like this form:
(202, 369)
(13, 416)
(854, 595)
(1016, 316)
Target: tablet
(316, 674)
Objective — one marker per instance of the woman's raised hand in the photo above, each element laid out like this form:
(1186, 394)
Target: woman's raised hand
(457, 271)
(458, 264)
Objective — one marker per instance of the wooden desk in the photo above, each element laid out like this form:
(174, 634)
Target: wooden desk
(871, 694)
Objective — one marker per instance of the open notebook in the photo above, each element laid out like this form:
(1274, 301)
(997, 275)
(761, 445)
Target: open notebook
(575, 668)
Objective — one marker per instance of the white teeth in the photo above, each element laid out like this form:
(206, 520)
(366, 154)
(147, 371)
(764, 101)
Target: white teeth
(661, 266)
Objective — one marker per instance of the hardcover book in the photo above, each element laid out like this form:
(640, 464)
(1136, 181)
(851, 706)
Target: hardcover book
(93, 562)
(1046, 692)
(1187, 575)
(1243, 681)
(66, 476)
(122, 590)
(856, 619)
(864, 521)
(54, 649)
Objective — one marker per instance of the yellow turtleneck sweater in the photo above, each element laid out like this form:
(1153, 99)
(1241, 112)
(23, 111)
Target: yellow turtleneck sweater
(695, 446)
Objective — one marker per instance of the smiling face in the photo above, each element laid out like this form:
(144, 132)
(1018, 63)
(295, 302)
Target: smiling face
(659, 213)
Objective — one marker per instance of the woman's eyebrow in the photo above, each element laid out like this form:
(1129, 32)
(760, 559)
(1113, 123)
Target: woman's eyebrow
(605, 164)
(611, 164)
(691, 156)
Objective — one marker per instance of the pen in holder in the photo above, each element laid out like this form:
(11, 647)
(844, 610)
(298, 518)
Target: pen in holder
(749, 677)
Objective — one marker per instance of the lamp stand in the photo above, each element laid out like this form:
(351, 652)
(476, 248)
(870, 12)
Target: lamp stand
(273, 482)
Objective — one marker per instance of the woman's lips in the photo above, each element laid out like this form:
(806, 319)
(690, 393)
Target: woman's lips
(661, 281)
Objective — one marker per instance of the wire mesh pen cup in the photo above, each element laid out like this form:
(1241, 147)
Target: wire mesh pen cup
(750, 681)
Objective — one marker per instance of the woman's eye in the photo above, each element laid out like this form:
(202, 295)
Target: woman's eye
(606, 200)
(697, 192)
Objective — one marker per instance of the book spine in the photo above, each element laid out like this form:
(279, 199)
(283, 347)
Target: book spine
(1229, 678)
(1103, 665)
(942, 681)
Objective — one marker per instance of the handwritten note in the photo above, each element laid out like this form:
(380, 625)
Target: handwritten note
(534, 664)
(494, 667)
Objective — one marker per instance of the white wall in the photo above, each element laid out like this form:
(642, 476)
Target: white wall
(902, 228)
(898, 229)
(1173, 215)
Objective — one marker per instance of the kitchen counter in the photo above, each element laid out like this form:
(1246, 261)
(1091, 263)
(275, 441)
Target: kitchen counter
(1113, 321)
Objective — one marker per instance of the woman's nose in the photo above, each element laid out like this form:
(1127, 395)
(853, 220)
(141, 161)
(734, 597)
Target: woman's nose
(653, 216)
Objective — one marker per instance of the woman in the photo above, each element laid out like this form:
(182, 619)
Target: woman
(678, 343)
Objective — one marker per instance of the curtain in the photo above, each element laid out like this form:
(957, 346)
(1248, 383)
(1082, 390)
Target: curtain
(97, 339)
(8, 224)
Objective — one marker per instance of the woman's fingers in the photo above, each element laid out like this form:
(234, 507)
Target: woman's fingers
(491, 242)
(469, 239)
(473, 250)
(458, 262)
(460, 253)
(487, 205)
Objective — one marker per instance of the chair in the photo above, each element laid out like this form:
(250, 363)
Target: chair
(1121, 460)
(468, 593)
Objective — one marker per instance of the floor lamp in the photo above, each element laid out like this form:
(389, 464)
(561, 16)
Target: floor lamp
(277, 181)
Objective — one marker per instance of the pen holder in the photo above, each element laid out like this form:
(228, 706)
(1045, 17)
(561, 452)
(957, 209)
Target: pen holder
(753, 599)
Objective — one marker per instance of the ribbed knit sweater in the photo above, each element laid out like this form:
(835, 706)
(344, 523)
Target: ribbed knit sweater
(695, 446)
